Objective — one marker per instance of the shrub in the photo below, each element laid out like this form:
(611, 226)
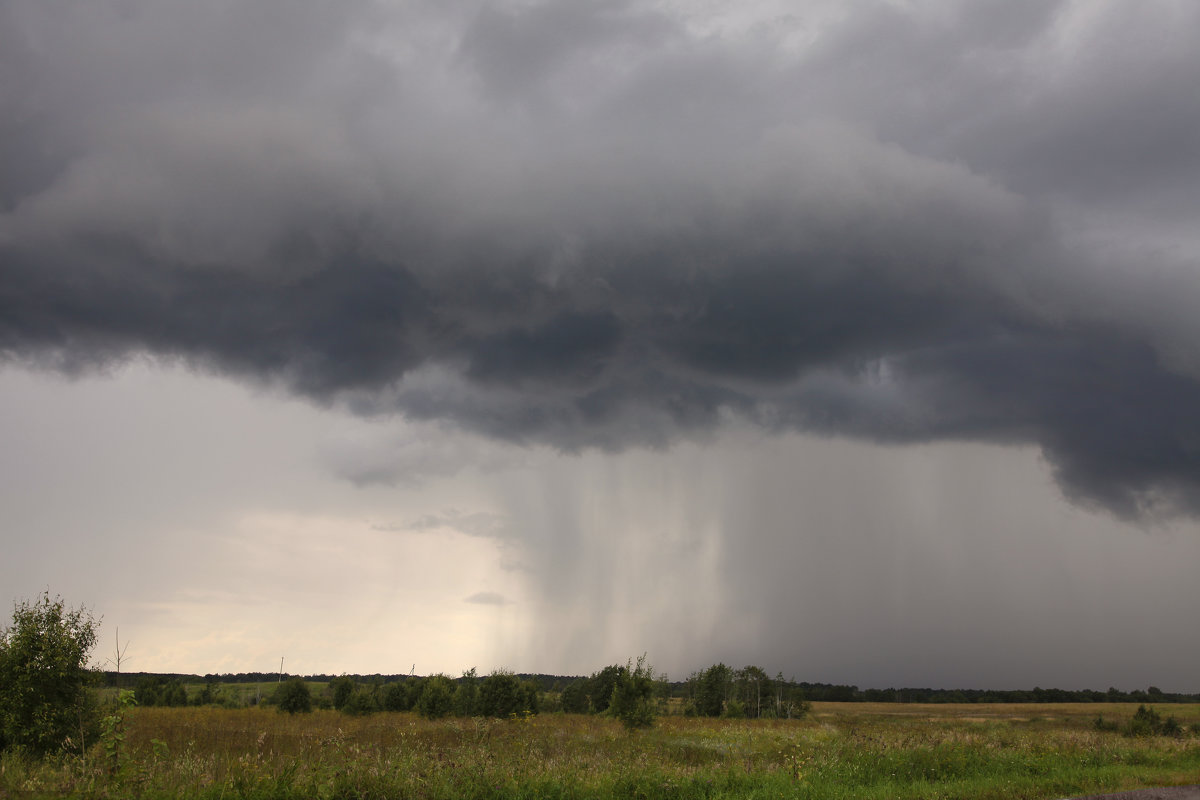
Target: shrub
(600, 687)
(711, 688)
(294, 697)
(396, 697)
(502, 695)
(1148, 722)
(466, 695)
(1145, 722)
(341, 689)
(158, 690)
(574, 698)
(210, 695)
(112, 733)
(44, 700)
(633, 701)
(796, 706)
(437, 697)
(360, 704)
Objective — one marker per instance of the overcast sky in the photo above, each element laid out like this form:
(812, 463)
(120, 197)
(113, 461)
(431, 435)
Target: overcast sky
(854, 339)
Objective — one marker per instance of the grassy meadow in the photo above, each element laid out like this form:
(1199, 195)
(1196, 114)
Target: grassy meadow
(852, 750)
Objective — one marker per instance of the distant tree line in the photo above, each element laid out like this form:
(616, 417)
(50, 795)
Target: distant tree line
(168, 690)
(501, 694)
(630, 693)
(721, 691)
(852, 694)
(743, 692)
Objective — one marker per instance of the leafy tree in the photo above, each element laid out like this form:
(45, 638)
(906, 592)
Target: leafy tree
(796, 705)
(146, 691)
(601, 685)
(396, 697)
(209, 695)
(502, 694)
(175, 694)
(753, 684)
(361, 703)
(532, 702)
(466, 695)
(44, 701)
(437, 697)
(160, 690)
(574, 697)
(294, 697)
(633, 701)
(414, 687)
(711, 690)
(341, 689)
(778, 690)
(849, 694)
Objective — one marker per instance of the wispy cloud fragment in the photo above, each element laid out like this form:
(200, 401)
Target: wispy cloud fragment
(488, 599)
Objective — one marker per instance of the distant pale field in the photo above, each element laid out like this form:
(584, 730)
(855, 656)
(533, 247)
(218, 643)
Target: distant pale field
(852, 750)
(1186, 713)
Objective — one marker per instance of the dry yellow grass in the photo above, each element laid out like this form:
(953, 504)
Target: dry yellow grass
(839, 751)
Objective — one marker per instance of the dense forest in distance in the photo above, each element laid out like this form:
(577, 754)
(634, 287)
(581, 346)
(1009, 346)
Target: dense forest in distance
(813, 692)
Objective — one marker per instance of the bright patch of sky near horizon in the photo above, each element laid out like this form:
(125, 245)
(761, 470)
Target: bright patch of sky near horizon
(224, 542)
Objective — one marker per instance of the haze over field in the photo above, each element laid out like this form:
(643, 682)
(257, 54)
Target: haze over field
(853, 339)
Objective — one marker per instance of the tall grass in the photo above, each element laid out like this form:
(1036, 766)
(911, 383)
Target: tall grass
(841, 751)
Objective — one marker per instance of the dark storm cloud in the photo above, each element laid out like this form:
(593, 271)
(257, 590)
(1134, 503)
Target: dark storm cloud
(1119, 429)
(593, 224)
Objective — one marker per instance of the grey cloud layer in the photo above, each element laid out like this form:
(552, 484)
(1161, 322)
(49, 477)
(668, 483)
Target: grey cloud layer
(597, 224)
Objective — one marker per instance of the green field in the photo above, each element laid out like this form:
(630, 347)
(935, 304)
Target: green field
(853, 750)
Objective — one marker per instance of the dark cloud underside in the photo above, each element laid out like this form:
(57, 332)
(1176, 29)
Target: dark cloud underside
(593, 224)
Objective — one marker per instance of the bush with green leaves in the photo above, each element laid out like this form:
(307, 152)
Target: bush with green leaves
(361, 703)
(1145, 722)
(159, 690)
(734, 710)
(397, 696)
(294, 697)
(600, 687)
(710, 690)
(502, 694)
(209, 695)
(796, 705)
(437, 697)
(574, 697)
(1148, 722)
(341, 688)
(466, 695)
(112, 732)
(633, 699)
(45, 704)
